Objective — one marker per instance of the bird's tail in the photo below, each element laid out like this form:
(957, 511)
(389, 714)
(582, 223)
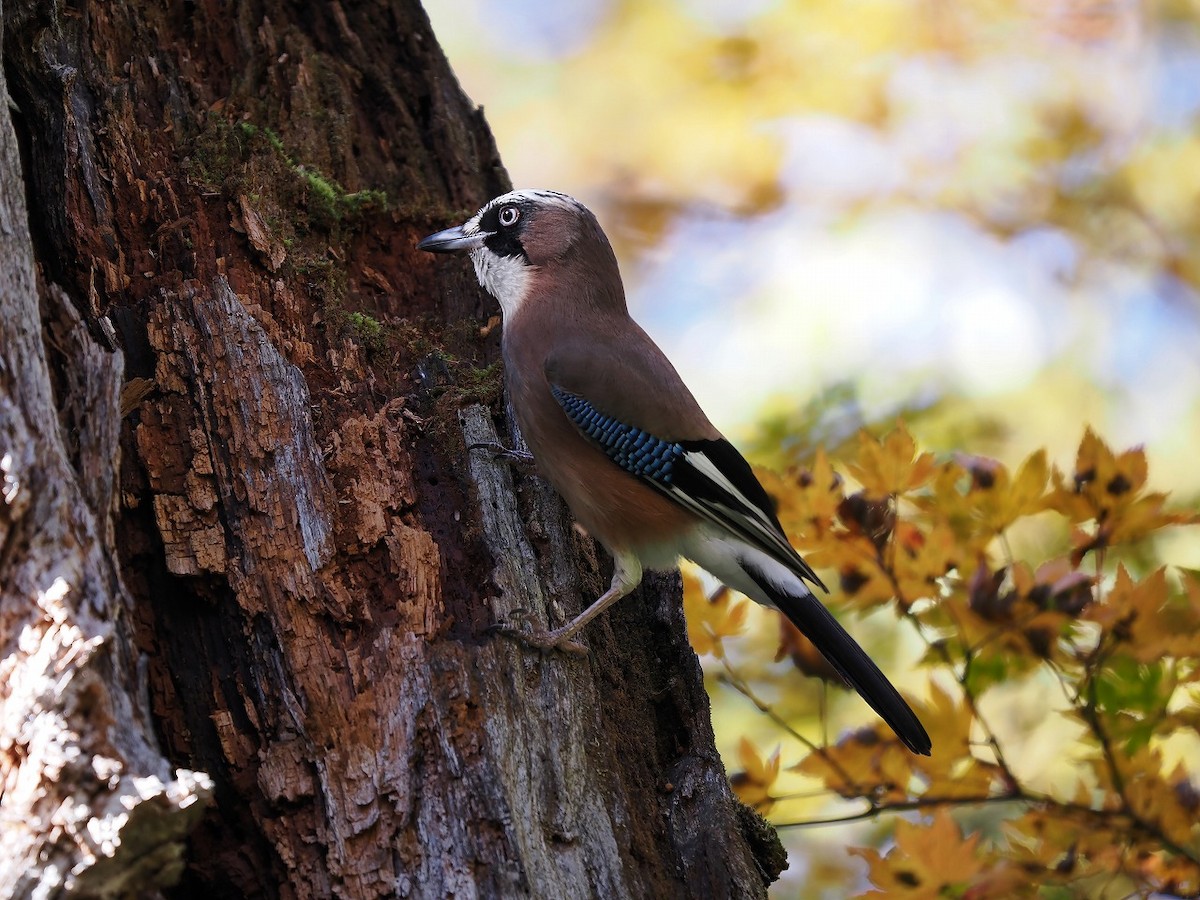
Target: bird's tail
(809, 614)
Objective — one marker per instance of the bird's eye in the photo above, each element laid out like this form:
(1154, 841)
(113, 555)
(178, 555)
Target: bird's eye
(509, 216)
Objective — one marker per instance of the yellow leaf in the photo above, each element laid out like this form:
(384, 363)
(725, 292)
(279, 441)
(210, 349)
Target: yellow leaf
(1145, 621)
(921, 558)
(891, 466)
(1168, 801)
(929, 860)
(1028, 486)
(754, 782)
(948, 721)
(763, 772)
(808, 498)
(1108, 490)
(710, 619)
(868, 762)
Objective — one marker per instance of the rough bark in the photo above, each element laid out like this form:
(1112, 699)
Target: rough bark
(258, 549)
(87, 798)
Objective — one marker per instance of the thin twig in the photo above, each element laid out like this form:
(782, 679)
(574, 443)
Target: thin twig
(735, 681)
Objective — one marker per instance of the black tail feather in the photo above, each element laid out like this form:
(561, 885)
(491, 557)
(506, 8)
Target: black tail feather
(816, 622)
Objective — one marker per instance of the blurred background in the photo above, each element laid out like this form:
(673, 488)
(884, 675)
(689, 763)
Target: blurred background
(982, 216)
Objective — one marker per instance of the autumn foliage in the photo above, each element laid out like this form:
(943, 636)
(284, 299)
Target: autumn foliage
(1034, 583)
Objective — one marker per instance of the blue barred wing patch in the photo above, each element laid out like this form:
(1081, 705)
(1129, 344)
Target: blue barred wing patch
(708, 477)
(637, 452)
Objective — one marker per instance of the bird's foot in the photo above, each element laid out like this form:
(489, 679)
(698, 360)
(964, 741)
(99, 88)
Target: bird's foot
(499, 451)
(519, 630)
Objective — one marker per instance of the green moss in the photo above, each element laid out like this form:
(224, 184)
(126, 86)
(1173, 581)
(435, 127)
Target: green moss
(364, 330)
(363, 201)
(480, 385)
(330, 203)
(244, 158)
(323, 198)
(250, 130)
(276, 144)
(324, 279)
(418, 339)
(466, 384)
(217, 152)
(367, 331)
(451, 380)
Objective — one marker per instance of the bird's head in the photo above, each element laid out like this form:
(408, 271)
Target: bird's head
(521, 236)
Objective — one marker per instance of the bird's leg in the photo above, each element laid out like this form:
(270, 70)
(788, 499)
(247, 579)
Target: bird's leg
(627, 575)
(499, 451)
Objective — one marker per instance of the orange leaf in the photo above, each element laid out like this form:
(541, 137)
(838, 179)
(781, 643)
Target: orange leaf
(1028, 486)
(754, 782)
(710, 619)
(929, 860)
(868, 762)
(1145, 621)
(891, 466)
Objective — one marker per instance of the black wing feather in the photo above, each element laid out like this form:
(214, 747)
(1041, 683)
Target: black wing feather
(851, 661)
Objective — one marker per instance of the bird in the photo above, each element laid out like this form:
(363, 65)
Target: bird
(615, 430)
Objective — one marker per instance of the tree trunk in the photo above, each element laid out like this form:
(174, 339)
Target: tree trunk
(247, 565)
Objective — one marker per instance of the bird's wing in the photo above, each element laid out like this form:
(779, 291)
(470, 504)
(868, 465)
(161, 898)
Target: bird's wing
(641, 420)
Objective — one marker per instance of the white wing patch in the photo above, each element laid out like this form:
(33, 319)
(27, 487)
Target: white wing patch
(701, 463)
(746, 519)
(727, 557)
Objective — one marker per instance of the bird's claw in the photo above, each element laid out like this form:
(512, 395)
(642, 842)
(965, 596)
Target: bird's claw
(539, 640)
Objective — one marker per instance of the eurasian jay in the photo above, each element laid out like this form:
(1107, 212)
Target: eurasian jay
(613, 427)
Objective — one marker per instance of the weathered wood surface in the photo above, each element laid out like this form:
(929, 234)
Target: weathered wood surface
(87, 798)
(280, 561)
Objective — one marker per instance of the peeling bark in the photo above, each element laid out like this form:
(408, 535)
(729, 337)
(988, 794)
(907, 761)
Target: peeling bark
(89, 803)
(241, 534)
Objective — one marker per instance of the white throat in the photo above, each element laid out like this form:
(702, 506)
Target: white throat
(504, 277)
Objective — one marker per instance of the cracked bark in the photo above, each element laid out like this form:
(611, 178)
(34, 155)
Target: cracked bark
(246, 563)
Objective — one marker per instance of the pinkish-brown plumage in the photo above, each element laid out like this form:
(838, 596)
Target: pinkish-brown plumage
(619, 435)
(573, 326)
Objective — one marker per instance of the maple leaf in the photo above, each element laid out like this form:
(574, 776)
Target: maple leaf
(930, 536)
(808, 497)
(862, 579)
(710, 619)
(948, 721)
(1057, 585)
(804, 654)
(754, 781)
(1172, 875)
(931, 860)
(951, 502)
(1024, 496)
(866, 762)
(1166, 801)
(921, 557)
(1146, 623)
(998, 499)
(891, 466)
(1107, 490)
